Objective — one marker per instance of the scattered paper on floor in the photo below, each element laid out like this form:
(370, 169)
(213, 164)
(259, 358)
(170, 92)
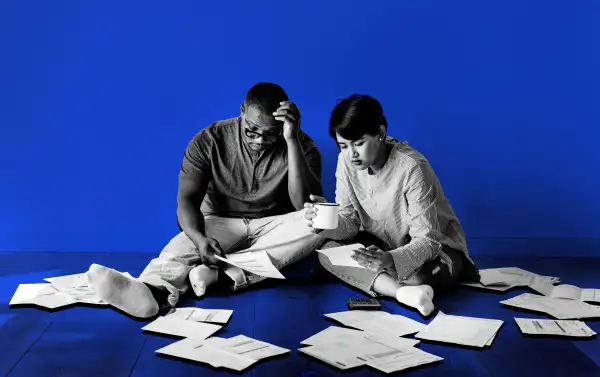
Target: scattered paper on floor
(182, 328)
(554, 327)
(377, 321)
(505, 278)
(335, 333)
(44, 295)
(236, 353)
(556, 307)
(201, 315)
(351, 351)
(467, 331)
(566, 291)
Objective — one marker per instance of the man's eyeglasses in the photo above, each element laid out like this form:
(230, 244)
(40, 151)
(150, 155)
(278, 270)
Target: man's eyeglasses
(268, 136)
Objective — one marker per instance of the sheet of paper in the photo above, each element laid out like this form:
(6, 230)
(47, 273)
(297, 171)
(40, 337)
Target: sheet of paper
(393, 325)
(181, 327)
(333, 333)
(199, 350)
(257, 262)
(468, 331)
(251, 348)
(556, 307)
(591, 295)
(43, 295)
(237, 353)
(341, 334)
(400, 359)
(492, 276)
(378, 322)
(333, 355)
(565, 291)
(345, 354)
(500, 288)
(510, 277)
(201, 315)
(392, 341)
(554, 327)
(25, 293)
(340, 256)
(542, 286)
(525, 275)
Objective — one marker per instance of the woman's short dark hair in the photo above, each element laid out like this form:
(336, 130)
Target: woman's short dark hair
(355, 116)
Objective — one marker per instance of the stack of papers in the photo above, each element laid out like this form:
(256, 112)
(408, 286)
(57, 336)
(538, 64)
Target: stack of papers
(201, 315)
(237, 353)
(565, 291)
(59, 291)
(378, 322)
(554, 327)
(347, 348)
(467, 331)
(556, 307)
(505, 278)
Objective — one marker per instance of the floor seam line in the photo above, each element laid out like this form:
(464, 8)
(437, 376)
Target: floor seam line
(138, 357)
(29, 349)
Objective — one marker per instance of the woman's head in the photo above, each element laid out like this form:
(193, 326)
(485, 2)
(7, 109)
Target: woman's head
(358, 126)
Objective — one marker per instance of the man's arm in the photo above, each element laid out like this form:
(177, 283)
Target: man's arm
(189, 198)
(302, 180)
(194, 176)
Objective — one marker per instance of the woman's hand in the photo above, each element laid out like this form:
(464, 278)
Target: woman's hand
(373, 258)
(310, 212)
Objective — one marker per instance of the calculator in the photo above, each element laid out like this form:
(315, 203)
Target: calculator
(363, 303)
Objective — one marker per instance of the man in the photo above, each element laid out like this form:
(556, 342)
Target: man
(243, 183)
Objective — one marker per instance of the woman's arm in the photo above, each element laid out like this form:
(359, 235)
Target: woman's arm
(424, 227)
(349, 223)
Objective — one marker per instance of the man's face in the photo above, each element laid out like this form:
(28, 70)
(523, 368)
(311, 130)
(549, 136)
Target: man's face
(259, 129)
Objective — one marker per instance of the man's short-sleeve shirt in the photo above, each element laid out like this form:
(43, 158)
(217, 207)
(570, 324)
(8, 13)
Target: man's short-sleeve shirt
(242, 183)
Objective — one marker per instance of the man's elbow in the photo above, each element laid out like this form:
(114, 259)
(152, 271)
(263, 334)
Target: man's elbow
(185, 204)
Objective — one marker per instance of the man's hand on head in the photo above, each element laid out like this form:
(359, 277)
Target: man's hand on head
(289, 114)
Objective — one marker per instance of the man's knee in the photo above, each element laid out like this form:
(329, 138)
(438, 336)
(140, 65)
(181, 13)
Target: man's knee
(180, 248)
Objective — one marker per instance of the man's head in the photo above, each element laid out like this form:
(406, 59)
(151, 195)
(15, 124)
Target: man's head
(358, 126)
(259, 127)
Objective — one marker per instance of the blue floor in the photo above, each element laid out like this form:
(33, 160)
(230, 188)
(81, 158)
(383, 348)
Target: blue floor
(92, 341)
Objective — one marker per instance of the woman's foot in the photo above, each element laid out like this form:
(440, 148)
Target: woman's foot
(129, 295)
(201, 277)
(419, 297)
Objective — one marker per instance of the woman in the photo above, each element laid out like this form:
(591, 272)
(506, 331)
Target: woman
(416, 244)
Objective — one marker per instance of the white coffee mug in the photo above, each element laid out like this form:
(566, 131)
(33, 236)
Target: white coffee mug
(327, 216)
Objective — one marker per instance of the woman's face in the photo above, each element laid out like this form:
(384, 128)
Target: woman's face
(361, 153)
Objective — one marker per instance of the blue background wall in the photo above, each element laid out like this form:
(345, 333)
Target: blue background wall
(98, 100)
